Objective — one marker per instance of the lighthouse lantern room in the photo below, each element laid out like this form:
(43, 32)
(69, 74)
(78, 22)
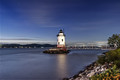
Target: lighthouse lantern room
(61, 39)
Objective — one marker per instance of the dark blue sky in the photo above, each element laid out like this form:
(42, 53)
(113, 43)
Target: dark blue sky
(82, 20)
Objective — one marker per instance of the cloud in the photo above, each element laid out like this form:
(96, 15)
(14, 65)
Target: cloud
(37, 13)
(101, 43)
(24, 41)
(33, 13)
(95, 43)
(17, 39)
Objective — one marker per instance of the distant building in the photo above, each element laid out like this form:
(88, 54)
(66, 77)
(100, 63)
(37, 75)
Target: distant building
(61, 39)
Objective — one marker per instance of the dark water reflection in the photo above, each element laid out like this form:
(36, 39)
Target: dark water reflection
(32, 64)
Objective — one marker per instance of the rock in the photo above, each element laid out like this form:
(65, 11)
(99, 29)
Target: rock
(89, 71)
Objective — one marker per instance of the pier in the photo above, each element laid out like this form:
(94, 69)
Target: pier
(91, 47)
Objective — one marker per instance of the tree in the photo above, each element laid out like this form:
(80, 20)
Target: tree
(114, 40)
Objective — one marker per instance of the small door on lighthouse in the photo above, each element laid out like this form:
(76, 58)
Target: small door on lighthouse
(61, 39)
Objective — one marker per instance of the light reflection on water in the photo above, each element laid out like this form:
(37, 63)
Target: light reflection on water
(62, 65)
(32, 64)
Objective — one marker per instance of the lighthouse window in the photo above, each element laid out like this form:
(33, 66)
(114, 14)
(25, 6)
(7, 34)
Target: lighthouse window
(62, 39)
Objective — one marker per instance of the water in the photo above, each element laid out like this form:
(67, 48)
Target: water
(32, 64)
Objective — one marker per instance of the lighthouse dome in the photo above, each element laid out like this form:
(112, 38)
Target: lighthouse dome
(61, 33)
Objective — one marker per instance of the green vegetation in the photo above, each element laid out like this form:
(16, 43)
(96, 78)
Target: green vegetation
(110, 57)
(114, 40)
(113, 73)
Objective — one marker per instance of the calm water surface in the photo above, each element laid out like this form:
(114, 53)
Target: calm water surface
(32, 64)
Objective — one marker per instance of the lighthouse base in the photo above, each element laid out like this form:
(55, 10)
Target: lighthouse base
(60, 46)
(57, 51)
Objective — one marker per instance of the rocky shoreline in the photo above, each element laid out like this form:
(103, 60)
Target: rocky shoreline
(89, 71)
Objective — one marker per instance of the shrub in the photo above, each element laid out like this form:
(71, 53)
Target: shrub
(112, 56)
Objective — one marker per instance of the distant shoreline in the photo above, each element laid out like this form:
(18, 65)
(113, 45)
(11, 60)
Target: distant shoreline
(51, 45)
(26, 45)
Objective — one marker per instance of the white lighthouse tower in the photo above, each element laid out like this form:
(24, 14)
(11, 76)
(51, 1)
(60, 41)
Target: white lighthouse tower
(61, 39)
(61, 49)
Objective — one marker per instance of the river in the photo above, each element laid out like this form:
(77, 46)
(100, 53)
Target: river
(32, 64)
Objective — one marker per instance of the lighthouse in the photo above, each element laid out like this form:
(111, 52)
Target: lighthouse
(61, 49)
(61, 39)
